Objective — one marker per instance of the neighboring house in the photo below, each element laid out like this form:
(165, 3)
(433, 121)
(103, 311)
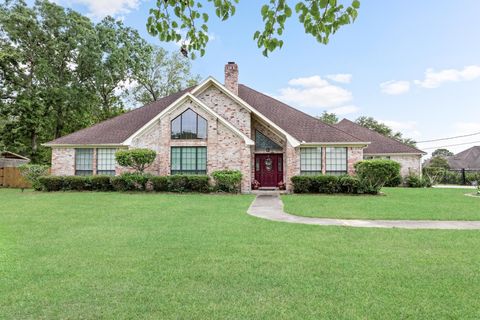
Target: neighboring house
(382, 147)
(467, 159)
(9, 159)
(211, 127)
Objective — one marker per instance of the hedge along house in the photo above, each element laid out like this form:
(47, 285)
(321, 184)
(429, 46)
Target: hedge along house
(212, 127)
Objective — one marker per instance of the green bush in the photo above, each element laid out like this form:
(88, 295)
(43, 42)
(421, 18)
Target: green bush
(160, 183)
(131, 182)
(199, 183)
(416, 181)
(32, 173)
(434, 174)
(77, 183)
(349, 184)
(227, 180)
(303, 184)
(136, 159)
(374, 174)
(326, 184)
(395, 181)
(51, 183)
(101, 183)
(178, 183)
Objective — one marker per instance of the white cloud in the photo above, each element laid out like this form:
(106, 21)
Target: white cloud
(433, 79)
(342, 111)
(314, 92)
(409, 129)
(340, 77)
(394, 87)
(101, 8)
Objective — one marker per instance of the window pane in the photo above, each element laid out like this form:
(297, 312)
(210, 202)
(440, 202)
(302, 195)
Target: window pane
(202, 128)
(201, 159)
(83, 161)
(176, 127)
(336, 160)
(176, 158)
(262, 142)
(189, 124)
(189, 160)
(311, 161)
(106, 161)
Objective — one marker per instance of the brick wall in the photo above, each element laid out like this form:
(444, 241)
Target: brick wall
(63, 161)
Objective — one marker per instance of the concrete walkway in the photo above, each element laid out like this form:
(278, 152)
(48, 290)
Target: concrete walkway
(270, 207)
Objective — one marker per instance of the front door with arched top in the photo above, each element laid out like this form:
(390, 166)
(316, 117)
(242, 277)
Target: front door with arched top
(269, 169)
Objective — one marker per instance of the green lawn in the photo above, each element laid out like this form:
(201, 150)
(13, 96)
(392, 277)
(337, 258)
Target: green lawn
(398, 203)
(114, 256)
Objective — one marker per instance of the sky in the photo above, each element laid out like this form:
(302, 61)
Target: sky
(414, 65)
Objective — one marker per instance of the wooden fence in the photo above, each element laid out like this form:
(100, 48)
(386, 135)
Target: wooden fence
(10, 177)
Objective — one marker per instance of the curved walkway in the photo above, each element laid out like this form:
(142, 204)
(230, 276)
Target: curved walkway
(270, 207)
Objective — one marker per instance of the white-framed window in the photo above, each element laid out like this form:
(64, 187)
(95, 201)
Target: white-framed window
(189, 160)
(311, 161)
(106, 161)
(336, 160)
(83, 162)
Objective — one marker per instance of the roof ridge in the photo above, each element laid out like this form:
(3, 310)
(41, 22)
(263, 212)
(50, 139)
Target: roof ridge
(297, 110)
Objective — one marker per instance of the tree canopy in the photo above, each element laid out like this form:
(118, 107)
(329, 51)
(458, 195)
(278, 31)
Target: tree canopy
(186, 22)
(375, 125)
(330, 118)
(442, 153)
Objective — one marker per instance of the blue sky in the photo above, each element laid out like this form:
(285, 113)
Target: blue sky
(412, 64)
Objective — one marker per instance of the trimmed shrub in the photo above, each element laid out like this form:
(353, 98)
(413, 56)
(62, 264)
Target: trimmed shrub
(374, 174)
(178, 183)
(326, 184)
(303, 184)
(77, 183)
(101, 183)
(137, 159)
(416, 181)
(199, 183)
(160, 184)
(51, 183)
(227, 180)
(349, 184)
(32, 172)
(130, 182)
(394, 182)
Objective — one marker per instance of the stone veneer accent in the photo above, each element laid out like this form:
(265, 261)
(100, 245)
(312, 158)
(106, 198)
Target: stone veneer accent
(63, 161)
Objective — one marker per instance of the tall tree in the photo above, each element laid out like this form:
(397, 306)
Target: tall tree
(187, 21)
(372, 124)
(330, 118)
(160, 74)
(442, 153)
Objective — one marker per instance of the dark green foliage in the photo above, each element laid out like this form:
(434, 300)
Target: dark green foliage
(101, 183)
(442, 153)
(395, 181)
(51, 183)
(439, 162)
(302, 184)
(178, 183)
(136, 159)
(434, 174)
(77, 183)
(374, 174)
(130, 182)
(349, 184)
(328, 117)
(185, 22)
(417, 181)
(32, 172)
(198, 183)
(327, 184)
(227, 180)
(160, 183)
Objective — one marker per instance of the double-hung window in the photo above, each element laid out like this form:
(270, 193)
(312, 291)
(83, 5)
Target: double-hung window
(106, 161)
(84, 162)
(336, 160)
(311, 161)
(189, 160)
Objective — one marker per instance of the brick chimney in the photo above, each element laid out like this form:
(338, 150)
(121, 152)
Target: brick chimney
(231, 77)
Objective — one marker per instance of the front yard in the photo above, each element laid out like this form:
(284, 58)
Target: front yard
(161, 256)
(398, 204)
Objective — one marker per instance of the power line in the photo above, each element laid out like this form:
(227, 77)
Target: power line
(450, 138)
(452, 145)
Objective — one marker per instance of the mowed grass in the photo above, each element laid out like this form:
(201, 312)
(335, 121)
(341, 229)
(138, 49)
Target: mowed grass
(154, 256)
(396, 204)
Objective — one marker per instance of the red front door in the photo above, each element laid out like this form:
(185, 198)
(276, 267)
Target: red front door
(269, 169)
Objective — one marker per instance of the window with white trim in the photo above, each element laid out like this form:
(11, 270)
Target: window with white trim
(83, 162)
(336, 160)
(189, 160)
(189, 125)
(311, 161)
(106, 161)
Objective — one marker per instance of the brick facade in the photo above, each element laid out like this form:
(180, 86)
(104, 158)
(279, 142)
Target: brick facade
(63, 161)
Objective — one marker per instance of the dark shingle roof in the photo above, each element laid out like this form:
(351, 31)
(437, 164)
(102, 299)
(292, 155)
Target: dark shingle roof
(298, 124)
(467, 159)
(379, 144)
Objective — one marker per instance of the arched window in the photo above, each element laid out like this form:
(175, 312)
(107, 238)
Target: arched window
(189, 125)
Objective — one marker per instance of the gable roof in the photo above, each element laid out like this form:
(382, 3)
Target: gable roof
(298, 126)
(379, 144)
(467, 159)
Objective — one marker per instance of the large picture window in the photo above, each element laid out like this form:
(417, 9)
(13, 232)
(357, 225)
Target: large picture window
(311, 161)
(84, 162)
(189, 160)
(189, 125)
(106, 161)
(336, 160)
